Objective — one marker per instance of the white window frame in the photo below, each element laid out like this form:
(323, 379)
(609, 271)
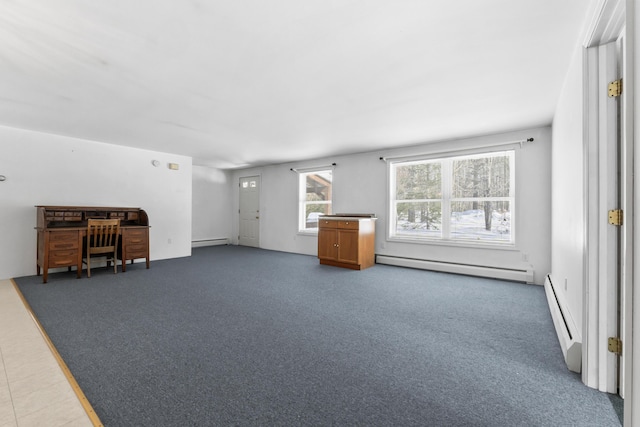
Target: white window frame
(302, 198)
(447, 160)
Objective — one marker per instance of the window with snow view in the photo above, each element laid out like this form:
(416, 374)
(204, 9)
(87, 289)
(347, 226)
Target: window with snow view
(465, 198)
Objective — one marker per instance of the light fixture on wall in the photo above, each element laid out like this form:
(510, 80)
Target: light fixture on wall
(155, 163)
(3, 178)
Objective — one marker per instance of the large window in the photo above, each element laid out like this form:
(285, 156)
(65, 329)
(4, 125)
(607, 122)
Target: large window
(464, 198)
(315, 198)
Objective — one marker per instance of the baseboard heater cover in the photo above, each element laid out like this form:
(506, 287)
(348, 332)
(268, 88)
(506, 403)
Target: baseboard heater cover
(209, 242)
(467, 269)
(566, 329)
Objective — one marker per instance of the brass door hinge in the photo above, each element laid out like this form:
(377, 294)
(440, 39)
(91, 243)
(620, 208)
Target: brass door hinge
(615, 217)
(615, 88)
(615, 345)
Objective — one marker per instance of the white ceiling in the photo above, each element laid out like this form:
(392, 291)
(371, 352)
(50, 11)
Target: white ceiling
(234, 83)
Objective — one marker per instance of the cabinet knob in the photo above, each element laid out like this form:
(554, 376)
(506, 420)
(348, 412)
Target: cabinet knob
(347, 222)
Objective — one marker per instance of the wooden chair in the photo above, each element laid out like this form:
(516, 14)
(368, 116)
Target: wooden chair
(102, 240)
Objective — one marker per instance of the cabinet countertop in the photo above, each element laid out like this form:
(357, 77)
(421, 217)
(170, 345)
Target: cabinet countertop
(346, 218)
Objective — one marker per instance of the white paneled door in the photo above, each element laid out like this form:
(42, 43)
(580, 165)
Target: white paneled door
(249, 229)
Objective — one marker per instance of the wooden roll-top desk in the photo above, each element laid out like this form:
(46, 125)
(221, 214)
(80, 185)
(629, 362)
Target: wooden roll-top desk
(61, 230)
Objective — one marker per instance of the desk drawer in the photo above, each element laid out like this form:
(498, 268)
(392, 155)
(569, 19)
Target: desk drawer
(63, 258)
(136, 255)
(128, 240)
(136, 249)
(63, 240)
(136, 232)
(135, 236)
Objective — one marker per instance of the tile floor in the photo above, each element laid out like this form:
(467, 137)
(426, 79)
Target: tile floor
(33, 388)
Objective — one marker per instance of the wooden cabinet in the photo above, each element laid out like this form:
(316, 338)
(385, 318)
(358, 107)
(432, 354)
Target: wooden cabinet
(61, 232)
(346, 241)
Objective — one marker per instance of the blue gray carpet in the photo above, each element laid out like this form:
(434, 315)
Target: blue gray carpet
(242, 336)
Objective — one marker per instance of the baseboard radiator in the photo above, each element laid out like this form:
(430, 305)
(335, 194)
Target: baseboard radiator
(467, 269)
(209, 242)
(566, 329)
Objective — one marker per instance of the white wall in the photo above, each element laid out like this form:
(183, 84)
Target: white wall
(211, 204)
(568, 198)
(360, 185)
(44, 169)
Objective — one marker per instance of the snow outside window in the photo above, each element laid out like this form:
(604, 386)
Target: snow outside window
(465, 198)
(315, 198)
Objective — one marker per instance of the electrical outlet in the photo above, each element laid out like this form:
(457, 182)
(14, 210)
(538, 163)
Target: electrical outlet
(525, 257)
(169, 241)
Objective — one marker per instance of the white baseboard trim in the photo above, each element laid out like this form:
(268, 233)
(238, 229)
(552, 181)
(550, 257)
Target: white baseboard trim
(470, 270)
(209, 242)
(566, 329)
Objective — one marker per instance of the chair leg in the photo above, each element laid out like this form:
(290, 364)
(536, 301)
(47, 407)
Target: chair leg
(115, 264)
(88, 266)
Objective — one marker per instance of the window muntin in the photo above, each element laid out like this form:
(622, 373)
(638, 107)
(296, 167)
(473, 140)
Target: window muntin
(463, 198)
(315, 195)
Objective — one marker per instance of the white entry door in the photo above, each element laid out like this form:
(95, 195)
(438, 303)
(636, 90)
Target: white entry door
(249, 229)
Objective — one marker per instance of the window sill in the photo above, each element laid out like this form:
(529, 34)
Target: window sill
(307, 232)
(455, 243)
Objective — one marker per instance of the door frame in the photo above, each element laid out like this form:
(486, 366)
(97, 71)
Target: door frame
(607, 279)
(632, 278)
(601, 302)
(613, 18)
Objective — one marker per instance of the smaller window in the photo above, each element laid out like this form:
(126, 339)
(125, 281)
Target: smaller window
(315, 198)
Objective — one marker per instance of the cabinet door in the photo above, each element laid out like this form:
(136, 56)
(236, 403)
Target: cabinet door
(327, 240)
(348, 246)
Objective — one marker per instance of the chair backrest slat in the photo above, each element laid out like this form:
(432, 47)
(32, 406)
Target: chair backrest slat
(102, 233)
